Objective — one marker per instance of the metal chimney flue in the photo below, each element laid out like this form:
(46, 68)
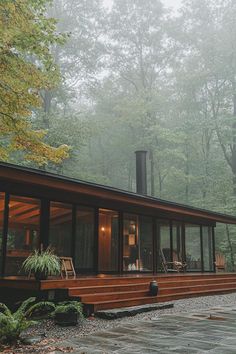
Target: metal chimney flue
(141, 172)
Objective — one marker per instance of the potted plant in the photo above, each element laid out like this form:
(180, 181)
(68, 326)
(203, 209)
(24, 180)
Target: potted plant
(67, 313)
(42, 264)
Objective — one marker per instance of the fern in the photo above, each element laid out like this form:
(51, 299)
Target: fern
(13, 324)
(46, 305)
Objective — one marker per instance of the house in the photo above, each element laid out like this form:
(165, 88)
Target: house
(108, 232)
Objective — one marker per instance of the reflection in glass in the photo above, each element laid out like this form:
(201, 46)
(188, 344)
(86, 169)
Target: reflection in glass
(108, 240)
(2, 203)
(207, 248)
(137, 243)
(84, 243)
(60, 228)
(193, 247)
(163, 241)
(23, 231)
(177, 241)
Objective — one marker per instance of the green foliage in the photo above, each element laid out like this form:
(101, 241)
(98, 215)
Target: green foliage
(68, 307)
(12, 324)
(42, 262)
(26, 67)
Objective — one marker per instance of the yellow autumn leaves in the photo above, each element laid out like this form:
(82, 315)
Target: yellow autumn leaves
(26, 68)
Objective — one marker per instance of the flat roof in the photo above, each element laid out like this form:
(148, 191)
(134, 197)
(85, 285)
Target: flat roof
(30, 176)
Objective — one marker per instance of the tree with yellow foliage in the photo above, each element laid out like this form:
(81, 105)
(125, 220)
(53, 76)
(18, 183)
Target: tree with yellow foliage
(26, 68)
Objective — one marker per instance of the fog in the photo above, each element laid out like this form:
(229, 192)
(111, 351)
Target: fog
(169, 3)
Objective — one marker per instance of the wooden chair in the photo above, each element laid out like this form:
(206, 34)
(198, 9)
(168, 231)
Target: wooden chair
(220, 262)
(175, 266)
(67, 267)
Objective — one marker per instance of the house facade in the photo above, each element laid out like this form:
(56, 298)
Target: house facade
(104, 230)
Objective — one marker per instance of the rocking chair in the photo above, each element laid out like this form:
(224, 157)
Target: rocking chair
(175, 266)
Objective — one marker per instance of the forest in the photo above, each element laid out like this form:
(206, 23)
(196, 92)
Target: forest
(83, 86)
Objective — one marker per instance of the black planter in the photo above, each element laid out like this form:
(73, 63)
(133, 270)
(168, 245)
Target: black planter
(40, 275)
(153, 288)
(66, 319)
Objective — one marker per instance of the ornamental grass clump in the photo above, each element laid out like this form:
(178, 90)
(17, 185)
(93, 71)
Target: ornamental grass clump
(12, 324)
(42, 264)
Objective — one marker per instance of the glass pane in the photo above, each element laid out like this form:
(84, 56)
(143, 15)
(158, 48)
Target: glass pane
(146, 243)
(2, 203)
(137, 243)
(60, 228)
(108, 240)
(177, 241)
(193, 247)
(23, 231)
(130, 243)
(84, 243)
(163, 241)
(207, 248)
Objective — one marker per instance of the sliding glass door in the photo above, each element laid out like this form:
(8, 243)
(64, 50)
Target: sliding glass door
(108, 240)
(193, 247)
(137, 243)
(85, 249)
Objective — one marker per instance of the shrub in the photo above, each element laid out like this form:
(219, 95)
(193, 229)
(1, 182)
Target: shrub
(12, 324)
(68, 307)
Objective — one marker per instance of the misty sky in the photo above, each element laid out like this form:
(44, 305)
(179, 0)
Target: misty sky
(171, 3)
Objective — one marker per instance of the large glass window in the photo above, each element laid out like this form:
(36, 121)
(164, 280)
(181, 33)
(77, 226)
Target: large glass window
(60, 228)
(207, 248)
(84, 244)
(23, 231)
(163, 242)
(137, 243)
(193, 247)
(177, 241)
(108, 240)
(146, 243)
(2, 205)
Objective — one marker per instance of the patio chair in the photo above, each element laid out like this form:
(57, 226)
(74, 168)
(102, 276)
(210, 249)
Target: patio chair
(67, 267)
(175, 266)
(220, 262)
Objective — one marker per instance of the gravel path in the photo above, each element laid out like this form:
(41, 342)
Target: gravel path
(52, 334)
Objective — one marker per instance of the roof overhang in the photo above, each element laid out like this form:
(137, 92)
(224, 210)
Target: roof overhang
(12, 174)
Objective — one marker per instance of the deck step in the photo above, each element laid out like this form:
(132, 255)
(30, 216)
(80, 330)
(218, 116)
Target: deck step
(114, 296)
(196, 288)
(102, 305)
(216, 280)
(184, 295)
(107, 288)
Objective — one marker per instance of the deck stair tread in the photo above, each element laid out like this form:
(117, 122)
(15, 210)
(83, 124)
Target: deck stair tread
(126, 295)
(105, 286)
(121, 300)
(195, 293)
(116, 293)
(197, 286)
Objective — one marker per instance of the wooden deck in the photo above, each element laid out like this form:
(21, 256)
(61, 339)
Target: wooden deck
(107, 291)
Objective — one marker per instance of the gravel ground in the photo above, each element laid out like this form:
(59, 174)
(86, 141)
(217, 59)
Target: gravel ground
(51, 334)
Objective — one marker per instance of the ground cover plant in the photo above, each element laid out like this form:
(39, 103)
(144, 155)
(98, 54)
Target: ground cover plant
(12, 324)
